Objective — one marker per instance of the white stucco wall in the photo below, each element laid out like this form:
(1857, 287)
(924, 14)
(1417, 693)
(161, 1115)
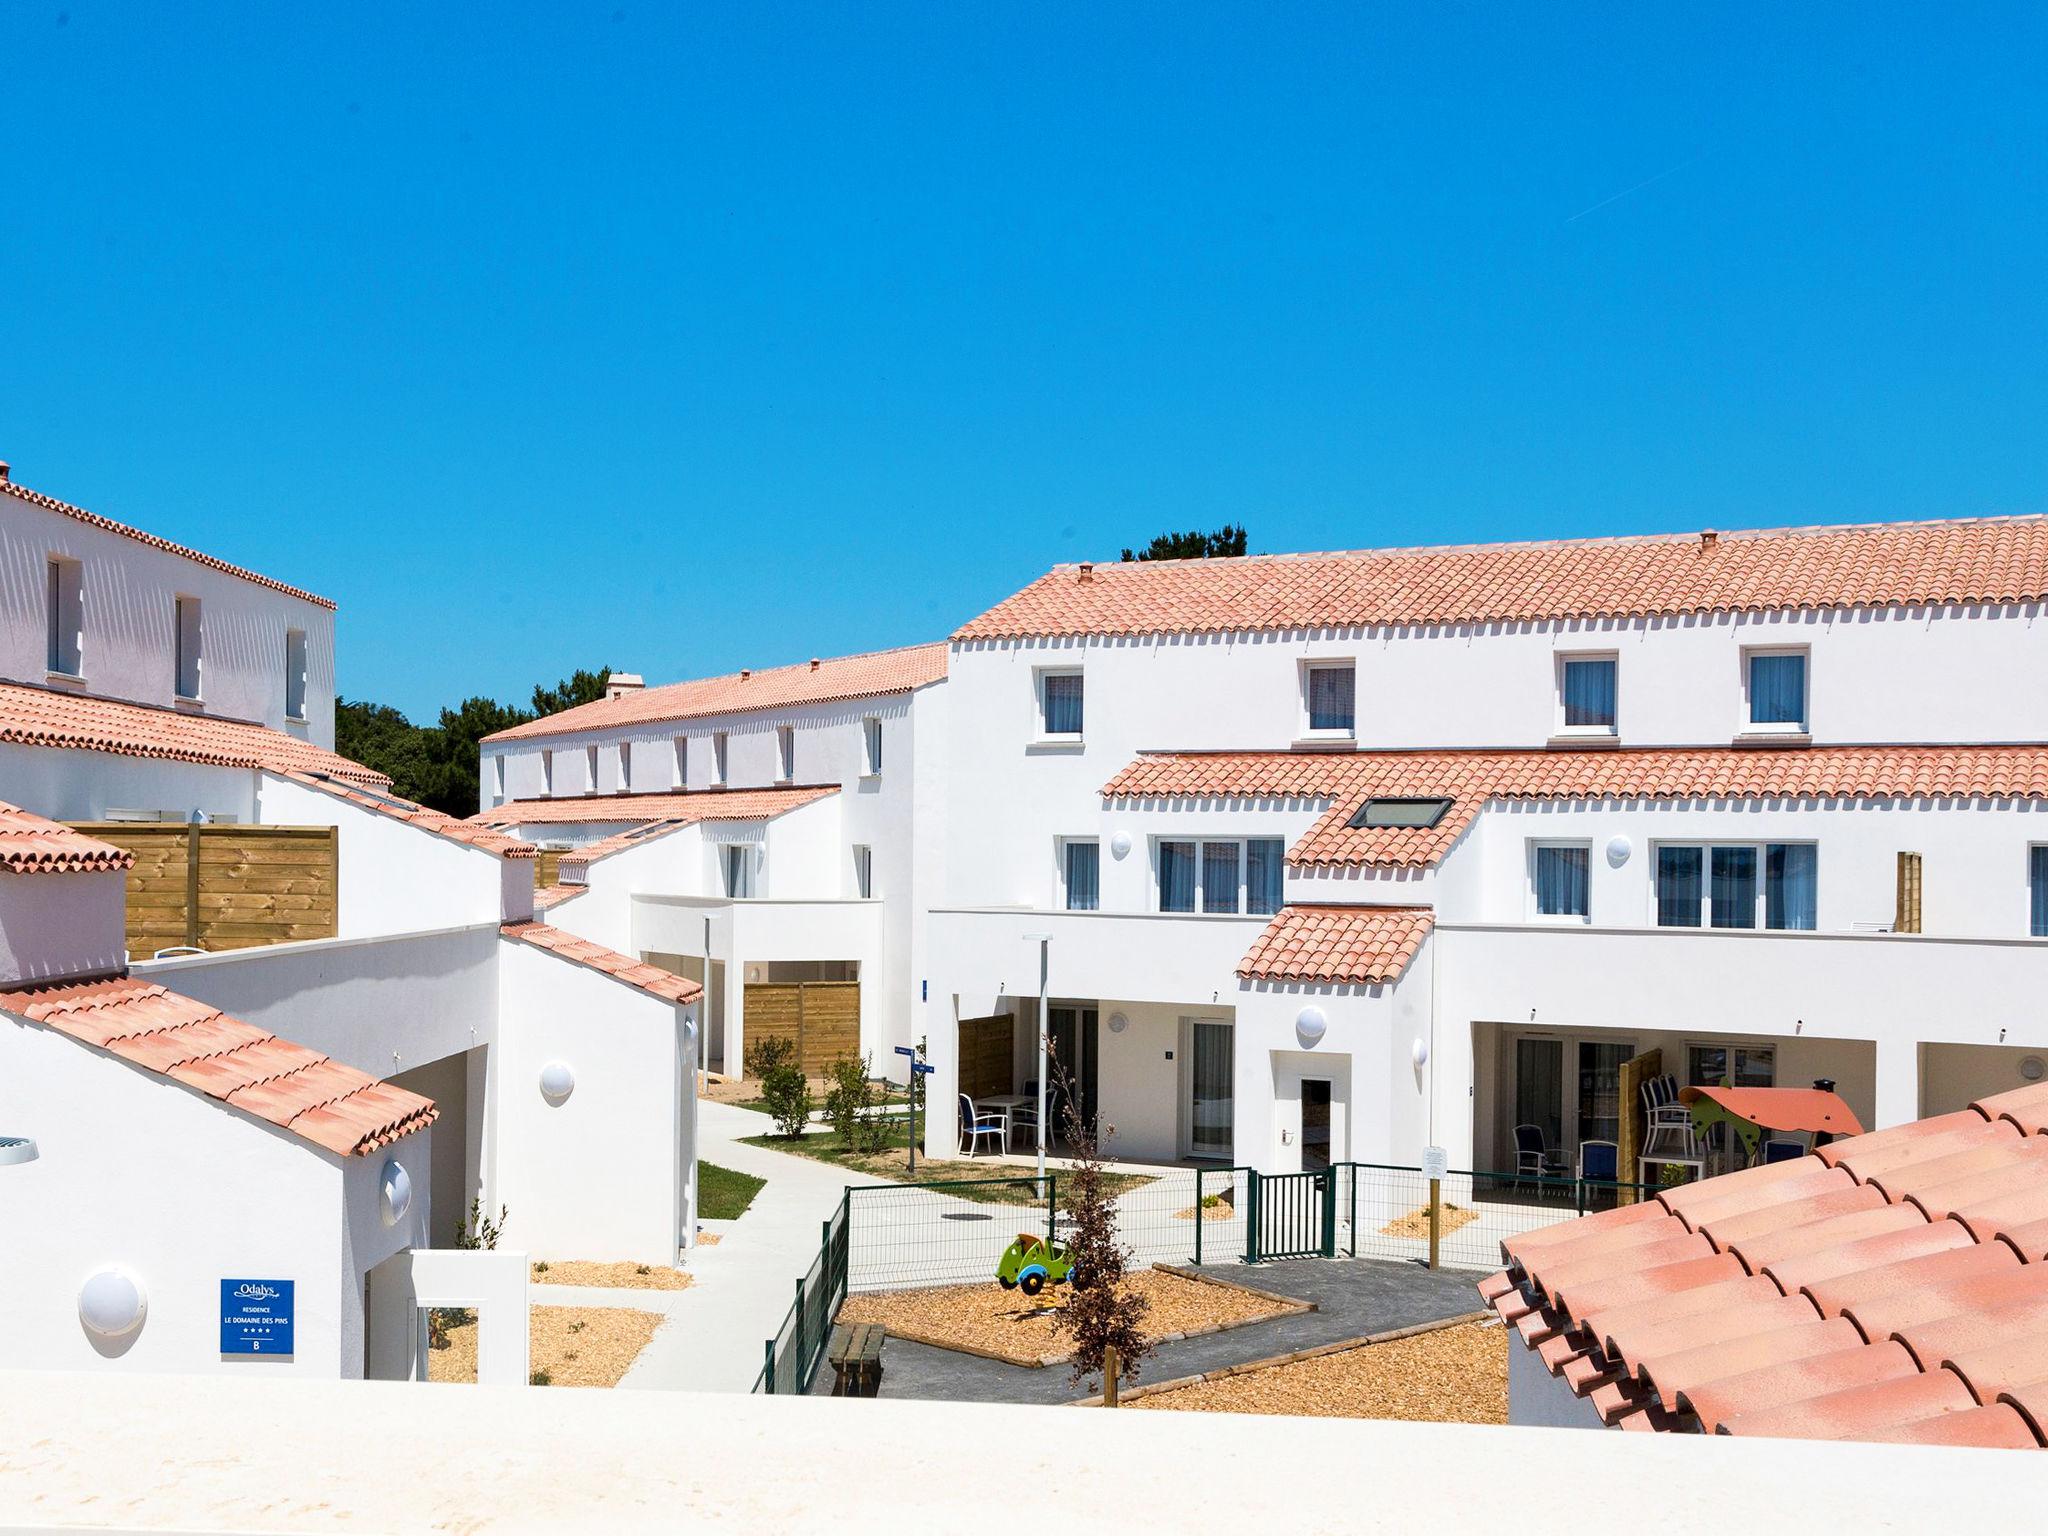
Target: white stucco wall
(55, 925)
(84, 786)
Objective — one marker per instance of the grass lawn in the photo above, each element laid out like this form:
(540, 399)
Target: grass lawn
(894, 1164)
(724, 1194)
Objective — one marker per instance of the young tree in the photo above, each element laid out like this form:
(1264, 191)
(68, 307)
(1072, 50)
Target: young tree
(1101, 1313)
(1194, 545)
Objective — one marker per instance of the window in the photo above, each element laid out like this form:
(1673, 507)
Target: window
(188, 638)
(1387, 815)
(625, 765)
(2037, 879)
(590, 769)
(718, 757)
(863, 871)
(1220, 875)
(1777, 691)
(1559, 872)
(682, 753)
(498, 777)
(1059, 702)
(1081, 869)
(66, 617)
(295, 674)
(1718, 887)
(1742, 1066)
(871, 734)
(738, 861)
(1330, 692)
(1585, 695)
(785, 752)
(547, 770)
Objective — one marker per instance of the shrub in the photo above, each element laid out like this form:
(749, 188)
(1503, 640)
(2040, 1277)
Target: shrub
(1102, 1313)
(540, 1379)
(851, 1107)
(787, 1093)
(765, 1054)
(478, 1230)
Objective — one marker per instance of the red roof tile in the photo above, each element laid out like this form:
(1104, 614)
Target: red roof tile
(1844, 1299)
(93, 519)
(1354, 946)
(308, 1094)
(1996, 560)
(30, 845)
(1343, 782)
(439, 823)
(634, 973)
(547, 896)
(684, 808)
(43, 717)
(816, 682)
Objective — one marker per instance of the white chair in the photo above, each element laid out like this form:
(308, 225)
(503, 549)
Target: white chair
(1667, 1124)
(974, 1127)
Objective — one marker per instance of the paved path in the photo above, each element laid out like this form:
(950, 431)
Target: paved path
(712, 1340)
(1354, 1297)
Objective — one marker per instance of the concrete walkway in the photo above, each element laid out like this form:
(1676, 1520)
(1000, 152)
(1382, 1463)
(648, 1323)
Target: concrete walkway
(713, 1338)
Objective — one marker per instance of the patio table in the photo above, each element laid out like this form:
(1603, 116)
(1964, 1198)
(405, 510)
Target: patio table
(1006, 1105)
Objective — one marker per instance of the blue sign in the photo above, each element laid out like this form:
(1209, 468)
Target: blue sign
(906, 1050)
(256, 1317)
(922, 1069)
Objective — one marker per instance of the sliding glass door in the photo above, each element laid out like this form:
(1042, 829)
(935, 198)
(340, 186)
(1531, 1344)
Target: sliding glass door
(1212, 1104)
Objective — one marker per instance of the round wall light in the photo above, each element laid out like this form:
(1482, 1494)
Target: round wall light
(1618, 850)
(395, 1192)
(2031, 1068)
(111, 1303)
(17, 1149)
(1118, 1023)
(1120, 844)
(557, 1082)
(1309, 1025)
(1419, 1052)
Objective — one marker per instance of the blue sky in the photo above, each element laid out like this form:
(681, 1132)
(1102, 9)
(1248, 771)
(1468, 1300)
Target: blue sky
(684, 338)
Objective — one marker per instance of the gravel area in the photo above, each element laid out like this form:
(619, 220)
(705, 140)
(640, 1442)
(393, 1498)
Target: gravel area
(1416, 1222)
(624, 1276)
(1455, 1375)
(574, 1346)
(1009, 1326)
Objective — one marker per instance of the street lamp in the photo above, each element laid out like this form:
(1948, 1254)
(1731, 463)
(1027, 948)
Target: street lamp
(1044, 943)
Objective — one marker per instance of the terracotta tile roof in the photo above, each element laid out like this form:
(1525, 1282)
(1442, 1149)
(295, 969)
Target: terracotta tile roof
(813, 682)
(30, 845)
(684, 808)
(308, 1094)
(1356, 946)
(547, 896)
(43, 717)
(1978, 560)
(1469, 779)
(1891, 1286)
(93, 519)
(635, 973)
(439, 823)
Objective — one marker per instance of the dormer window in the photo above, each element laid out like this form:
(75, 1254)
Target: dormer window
(1330, 698)
(1400, 813)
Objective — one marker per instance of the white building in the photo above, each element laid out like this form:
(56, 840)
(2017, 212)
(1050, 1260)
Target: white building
(1340, 856)
(245, 901)
(782, 826)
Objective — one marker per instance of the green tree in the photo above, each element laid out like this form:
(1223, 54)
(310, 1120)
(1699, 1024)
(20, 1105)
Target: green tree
(1194, 545)
(580, 687)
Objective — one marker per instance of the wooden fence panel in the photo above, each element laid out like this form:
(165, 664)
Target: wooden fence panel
(547, 866)
(822, 1017)
(987, 1056)
(226, 886)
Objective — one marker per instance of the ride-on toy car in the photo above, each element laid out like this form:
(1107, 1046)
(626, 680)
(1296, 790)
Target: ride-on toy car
(1031, 1263)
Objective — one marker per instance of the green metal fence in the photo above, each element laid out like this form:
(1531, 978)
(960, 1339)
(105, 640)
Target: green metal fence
(792, 1356)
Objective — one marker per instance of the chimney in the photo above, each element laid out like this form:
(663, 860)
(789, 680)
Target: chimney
(619, 684)
(814, 663)
(1709, 539)
(3, 469)
(745, 673)
(1087, 570)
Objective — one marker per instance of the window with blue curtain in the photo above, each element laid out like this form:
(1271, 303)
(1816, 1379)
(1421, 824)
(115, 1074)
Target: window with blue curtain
(1333, 698)
(1176, 877)
(1219, 877)
(1732, 887)
(1062, 693)
(1084, 876)
(2038, 869)
(1678, 887)
(1561, 881)
(1589, 693)
(1790, 896)
(1262, 856)
(1777, 689)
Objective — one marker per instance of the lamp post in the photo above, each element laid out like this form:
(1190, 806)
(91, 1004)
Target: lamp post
(1044, 943)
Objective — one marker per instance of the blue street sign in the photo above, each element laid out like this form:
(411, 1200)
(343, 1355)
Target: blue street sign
(256, 1317)
(921, 1068)
(906, 1050)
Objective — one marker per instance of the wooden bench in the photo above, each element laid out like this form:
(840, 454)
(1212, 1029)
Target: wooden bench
(856, 1356)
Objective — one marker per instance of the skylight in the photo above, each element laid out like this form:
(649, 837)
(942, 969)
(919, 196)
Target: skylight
(1389, 814)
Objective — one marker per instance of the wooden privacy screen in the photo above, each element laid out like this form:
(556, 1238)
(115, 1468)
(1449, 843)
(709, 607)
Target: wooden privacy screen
(986, 1056)
(547, 865)
(1635, 1072)
(225, 886)
(822, 1017)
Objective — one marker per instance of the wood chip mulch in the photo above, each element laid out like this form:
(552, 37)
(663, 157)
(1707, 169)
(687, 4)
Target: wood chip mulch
(574, 1346)
(625, 1276)
(1222, 1210)
(1009, 1326)
(1455, 1375)
(1416, 1222)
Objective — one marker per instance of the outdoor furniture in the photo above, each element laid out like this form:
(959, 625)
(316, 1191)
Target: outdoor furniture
(1533, 1159)
(1021, 1110)
(1600, 1161)
(1782, 1149)
(1667, 1122)
(1697, 1163)
(974, 1127)
(856, 1356)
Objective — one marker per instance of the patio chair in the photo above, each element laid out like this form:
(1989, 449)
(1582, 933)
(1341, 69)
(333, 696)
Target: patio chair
(1782, 1149)
(1024, 1118)
(1599, 1161)
(1534, 1159)
(975, 1127)
(1667, 1124)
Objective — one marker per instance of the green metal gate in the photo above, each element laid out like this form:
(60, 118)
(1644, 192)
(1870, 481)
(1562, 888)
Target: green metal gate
(1292, 1216)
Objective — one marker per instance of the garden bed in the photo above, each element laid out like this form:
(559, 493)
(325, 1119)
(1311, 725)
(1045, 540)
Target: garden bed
(1444, 1373)
(622, 1276)
(893, 1165)
(986, 1320)
(1416, 1222)
(568, 1346)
